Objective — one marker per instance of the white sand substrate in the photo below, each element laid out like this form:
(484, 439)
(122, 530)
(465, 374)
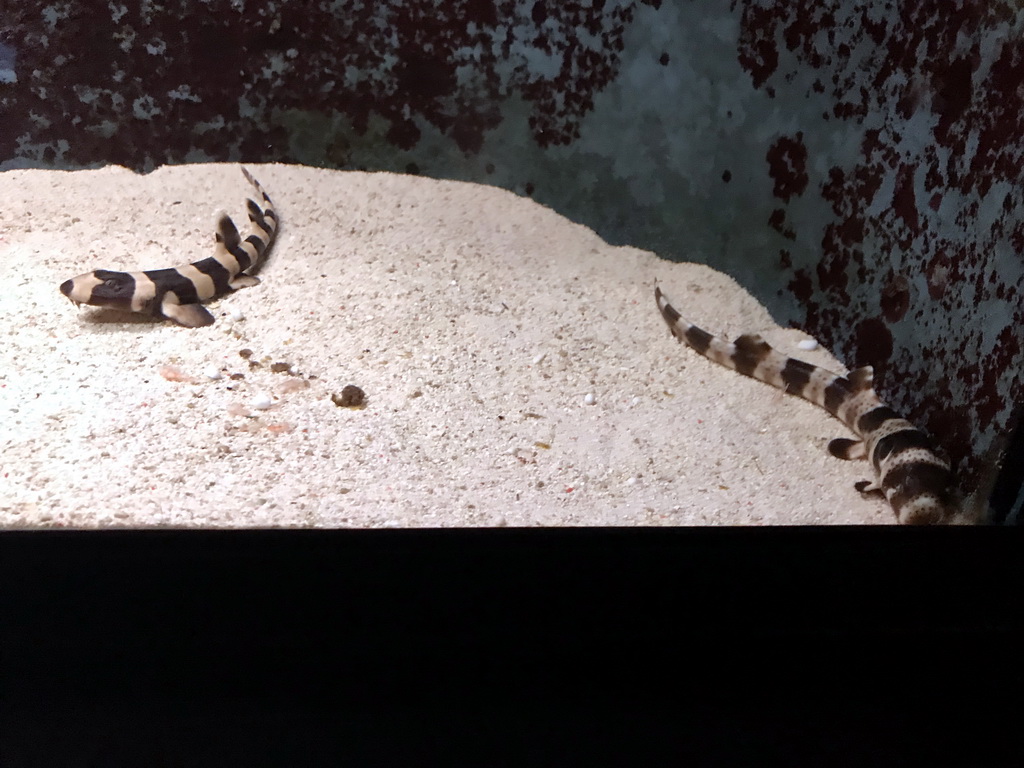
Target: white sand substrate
(516, 369)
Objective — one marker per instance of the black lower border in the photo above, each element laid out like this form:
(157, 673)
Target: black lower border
(509, 647)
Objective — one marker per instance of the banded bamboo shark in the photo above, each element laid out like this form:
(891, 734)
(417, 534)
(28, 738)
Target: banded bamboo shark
(176, 293)
(916, 482)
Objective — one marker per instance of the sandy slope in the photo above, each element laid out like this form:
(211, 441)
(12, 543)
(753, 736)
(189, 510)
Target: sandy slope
(477, 322)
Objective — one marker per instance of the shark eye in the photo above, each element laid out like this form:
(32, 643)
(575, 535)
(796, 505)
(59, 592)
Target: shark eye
(110, 283)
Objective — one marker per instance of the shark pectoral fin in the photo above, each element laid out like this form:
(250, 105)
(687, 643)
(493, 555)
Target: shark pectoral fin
(845, 448)
(861, 378)
(752, 343)
(243, 281)
(866, 486)
(189, 315)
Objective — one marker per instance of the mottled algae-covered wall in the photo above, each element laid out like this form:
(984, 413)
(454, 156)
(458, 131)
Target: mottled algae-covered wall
(858, 167)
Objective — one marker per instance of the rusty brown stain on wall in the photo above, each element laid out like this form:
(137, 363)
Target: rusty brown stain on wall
(923, 295)
(151, 75)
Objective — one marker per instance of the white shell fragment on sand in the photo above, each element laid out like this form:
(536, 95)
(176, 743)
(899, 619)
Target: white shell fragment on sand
(212, 372)
(262, 402)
